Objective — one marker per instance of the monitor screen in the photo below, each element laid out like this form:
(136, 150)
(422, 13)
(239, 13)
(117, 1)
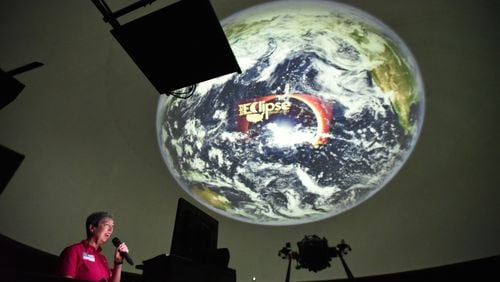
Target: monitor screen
(195, 233)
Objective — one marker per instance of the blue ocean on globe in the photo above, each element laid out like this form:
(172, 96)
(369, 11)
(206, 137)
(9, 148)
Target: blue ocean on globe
(328, 107)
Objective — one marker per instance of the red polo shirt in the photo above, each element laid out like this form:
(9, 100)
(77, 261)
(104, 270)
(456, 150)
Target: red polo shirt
(84, 262)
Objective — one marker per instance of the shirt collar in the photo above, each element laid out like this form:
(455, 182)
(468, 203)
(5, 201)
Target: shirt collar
(89, 247)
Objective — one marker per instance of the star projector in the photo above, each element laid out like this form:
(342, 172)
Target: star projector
(327, 109)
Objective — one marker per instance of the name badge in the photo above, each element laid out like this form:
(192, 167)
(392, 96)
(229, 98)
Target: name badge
(89, 257)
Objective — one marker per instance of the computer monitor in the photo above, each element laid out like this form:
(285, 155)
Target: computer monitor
(195, 233)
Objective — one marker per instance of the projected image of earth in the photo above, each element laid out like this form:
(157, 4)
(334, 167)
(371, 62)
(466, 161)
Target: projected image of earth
(327, 109)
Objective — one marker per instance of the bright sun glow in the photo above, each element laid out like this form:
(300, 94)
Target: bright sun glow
(284, 135)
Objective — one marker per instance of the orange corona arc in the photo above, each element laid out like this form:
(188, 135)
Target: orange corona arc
(322, 113)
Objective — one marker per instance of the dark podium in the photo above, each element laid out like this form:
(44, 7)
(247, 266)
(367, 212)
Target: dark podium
(194, 255)
(177, 269)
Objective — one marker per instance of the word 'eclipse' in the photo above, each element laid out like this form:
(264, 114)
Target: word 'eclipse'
(260, 109)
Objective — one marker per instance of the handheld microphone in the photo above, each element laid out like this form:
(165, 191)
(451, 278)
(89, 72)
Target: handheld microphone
(125, 255)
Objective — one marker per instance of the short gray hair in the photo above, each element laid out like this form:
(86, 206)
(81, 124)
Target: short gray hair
(94, 219)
